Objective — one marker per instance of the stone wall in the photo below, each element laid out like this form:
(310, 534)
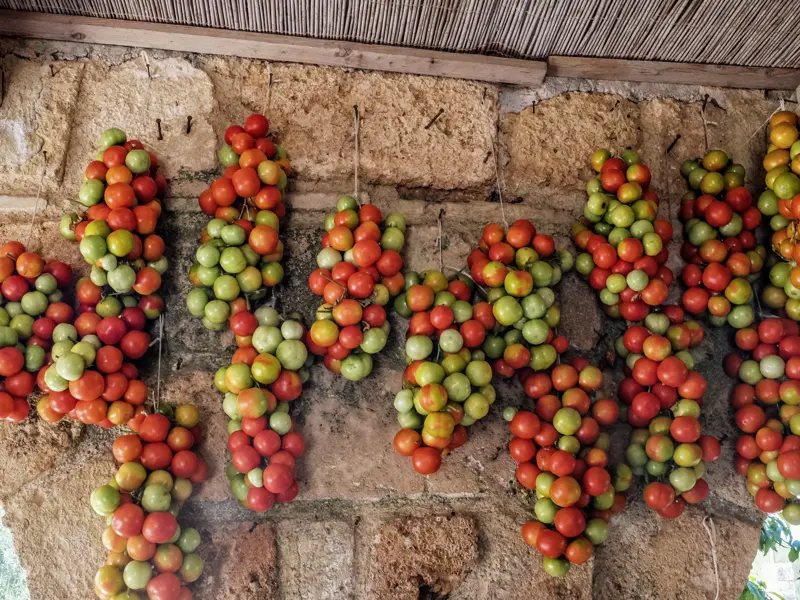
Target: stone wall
(365, 525)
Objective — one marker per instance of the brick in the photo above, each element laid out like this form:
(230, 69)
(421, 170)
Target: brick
(125, 96)
(241, 562)
(56, 533)
(316, 559)
(413, 554)
(311, 109)
(672, 555)
(35, 119)
(547, 145)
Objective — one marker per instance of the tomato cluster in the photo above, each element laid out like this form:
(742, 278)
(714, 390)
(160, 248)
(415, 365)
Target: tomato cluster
(148, 551)
(781, 203)
(720, 244)
(90, 377)
(518, 267)
(623, 244)
(359, 271)
(123, 192)
(562, 456)
(663, 395)
(241, 252)
(33, 307)
(259, 385)
(767, 404)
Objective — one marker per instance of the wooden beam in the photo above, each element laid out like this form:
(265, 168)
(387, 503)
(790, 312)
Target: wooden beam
(729, 76)
(271, 47)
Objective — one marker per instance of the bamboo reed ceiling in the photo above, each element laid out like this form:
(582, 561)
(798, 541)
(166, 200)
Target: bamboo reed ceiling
(761, 33)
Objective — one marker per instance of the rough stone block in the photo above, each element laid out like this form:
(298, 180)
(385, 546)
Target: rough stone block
(340, 419)
(36, 113)
(673, 558)
(316, 559)
(548, 144)
(56, 533)
(411, 555)
(130, 97)
(241, 562)
(32, 448)
(510, 569)
(311, 109)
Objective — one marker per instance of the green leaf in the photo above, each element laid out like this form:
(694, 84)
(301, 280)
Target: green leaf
(793, 554)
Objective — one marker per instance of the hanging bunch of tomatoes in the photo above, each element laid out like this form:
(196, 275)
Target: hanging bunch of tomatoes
(664, 397)
(241, 252)
(259, 385)
(90, 377)
(448, 387)
(563, 457)
(123, 193)
(622, 242)
(148, 551)
(359, 271)
(518, 268)
(32, 293)
(780, 203)
(719, 221)
(454, 347)
(767, 403)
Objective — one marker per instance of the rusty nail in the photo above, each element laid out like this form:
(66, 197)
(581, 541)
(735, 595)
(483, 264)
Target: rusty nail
(189, 124)
(433, 120)
(158, 123)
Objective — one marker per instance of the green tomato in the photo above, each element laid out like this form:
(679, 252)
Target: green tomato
(280, 422)
(34, 303)
(122, 279)
(327, 258)
(35, 357)
(266, 315)
(419, 347)
(227, 157)
(105, 500)
(92, 248)
(392, 239)
(266, 339)
(196, 301)
(545, 510)
(137, 161)
(232, 260)
(137, 574)
(112, 137)
(217, 311)
(70, 367)
(91, 192)
(233, 235)
(292, 354)
(374, 340)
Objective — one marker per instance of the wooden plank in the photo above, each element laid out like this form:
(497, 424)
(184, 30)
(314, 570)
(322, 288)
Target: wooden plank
(271, 47)
(728, 76)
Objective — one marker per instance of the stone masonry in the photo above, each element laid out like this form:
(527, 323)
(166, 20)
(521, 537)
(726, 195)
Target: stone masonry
(365, 524)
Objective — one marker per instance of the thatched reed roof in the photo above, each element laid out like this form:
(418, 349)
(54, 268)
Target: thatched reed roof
(736, 32)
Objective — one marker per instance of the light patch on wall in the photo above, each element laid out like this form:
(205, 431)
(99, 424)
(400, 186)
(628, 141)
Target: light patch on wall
(13, 582)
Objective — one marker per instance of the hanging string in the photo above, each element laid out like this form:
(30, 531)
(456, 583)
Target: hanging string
(497, 180)
(441, 256)
(712, 536)
(160, 343)
(36, 203)
(356, 155)
(781, 107)
(706, 122)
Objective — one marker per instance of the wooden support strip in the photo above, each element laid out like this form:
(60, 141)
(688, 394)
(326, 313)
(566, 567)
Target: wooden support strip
(271, 47)
(729, 76)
